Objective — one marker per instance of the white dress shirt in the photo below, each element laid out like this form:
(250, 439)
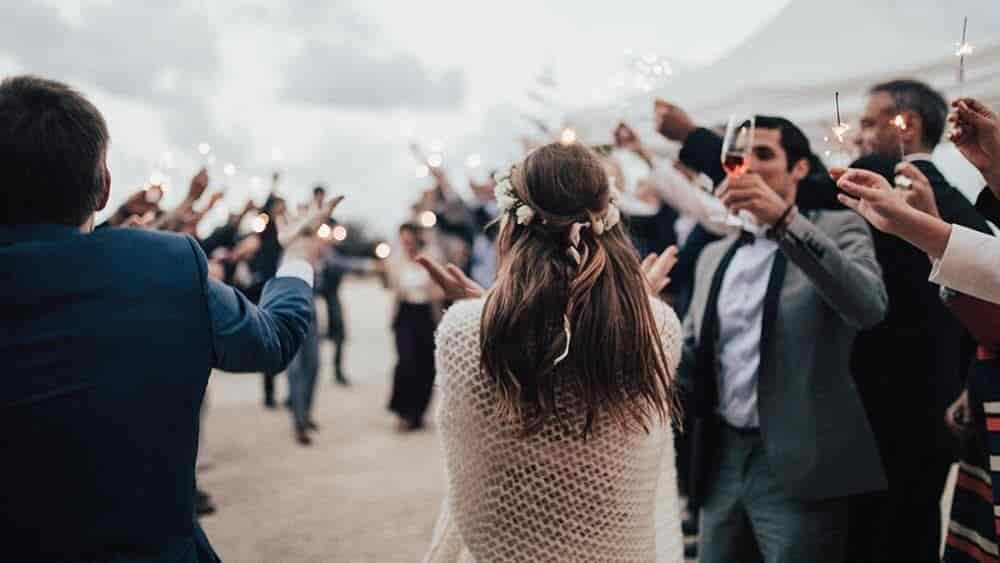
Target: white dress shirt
(296, 268)
(741, 315)
(970, 264)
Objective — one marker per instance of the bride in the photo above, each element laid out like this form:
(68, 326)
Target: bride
(556, 385)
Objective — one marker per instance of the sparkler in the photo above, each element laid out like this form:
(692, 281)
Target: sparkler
(899, 122)
(964, 48)
(840, 128)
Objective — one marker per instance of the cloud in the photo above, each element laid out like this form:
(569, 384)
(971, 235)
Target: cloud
(122, 47)
(359, 76)
(165, 57)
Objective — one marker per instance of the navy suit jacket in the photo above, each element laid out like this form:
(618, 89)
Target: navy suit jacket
(107, 341)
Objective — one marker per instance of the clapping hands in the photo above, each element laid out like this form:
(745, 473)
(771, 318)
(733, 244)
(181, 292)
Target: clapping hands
(456, 285)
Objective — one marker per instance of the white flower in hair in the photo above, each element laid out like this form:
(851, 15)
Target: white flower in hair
(504, 196)
(524, 214)
(612, 217)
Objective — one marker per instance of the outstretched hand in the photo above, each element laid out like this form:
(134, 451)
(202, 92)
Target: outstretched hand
(976, 134)
(656, 269)
(672, 121)
(871, 196)
(451, 279)
(199, 183)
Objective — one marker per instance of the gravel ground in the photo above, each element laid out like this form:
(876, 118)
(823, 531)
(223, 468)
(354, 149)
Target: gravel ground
(360, 493)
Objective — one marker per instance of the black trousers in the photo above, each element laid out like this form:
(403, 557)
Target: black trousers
(903, 523)
(413, 380)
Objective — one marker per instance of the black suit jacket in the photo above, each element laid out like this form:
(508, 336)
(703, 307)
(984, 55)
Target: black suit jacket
(107, 343)
(911, 366)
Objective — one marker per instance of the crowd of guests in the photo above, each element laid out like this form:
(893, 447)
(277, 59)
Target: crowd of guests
(838, 347)
(817, 366)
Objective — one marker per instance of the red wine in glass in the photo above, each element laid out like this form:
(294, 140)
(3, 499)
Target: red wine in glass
(735, 163)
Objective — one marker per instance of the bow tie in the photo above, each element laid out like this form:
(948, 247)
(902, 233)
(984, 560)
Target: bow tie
(746, 237)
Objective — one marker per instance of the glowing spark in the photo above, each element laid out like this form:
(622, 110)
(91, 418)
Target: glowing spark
(260, 223)
(840, 130)
(323, 231)
(567, 137)
(428, 219)
(382, 251)
(340, 233)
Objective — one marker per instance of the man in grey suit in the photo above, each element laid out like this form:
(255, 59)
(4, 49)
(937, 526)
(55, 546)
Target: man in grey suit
(780, 435)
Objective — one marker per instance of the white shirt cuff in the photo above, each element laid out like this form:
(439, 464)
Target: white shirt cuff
(955, 267)
(296, 268)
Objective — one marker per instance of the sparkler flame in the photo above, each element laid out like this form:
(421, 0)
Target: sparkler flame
(840, 130)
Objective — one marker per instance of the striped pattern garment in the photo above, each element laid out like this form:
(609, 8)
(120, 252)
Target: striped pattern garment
(974, 526)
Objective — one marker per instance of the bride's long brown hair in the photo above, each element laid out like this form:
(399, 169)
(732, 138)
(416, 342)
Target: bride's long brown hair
(616, 365)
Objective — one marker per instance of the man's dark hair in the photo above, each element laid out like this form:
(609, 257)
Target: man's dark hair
(793, 140)
(319, 189)
(53, 144)
(928, 103)
(410, 227)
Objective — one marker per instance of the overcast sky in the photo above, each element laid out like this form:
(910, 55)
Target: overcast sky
(338, 88)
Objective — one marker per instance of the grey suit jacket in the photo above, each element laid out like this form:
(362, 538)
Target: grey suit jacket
(816, 436)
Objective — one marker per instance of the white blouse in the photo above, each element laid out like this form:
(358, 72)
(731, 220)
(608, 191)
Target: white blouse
(970, 264)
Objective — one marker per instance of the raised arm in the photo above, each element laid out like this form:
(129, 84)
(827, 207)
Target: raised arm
(842, 266)
(251, 338)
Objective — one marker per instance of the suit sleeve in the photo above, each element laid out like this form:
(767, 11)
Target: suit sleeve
(955, 208)
(701, 151)
(250, 338)
(988, 205)
(842, 267)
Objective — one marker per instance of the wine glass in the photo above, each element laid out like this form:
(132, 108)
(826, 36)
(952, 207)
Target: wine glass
(736, 150)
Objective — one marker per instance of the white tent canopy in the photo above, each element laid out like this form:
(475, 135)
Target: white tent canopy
(793, 65)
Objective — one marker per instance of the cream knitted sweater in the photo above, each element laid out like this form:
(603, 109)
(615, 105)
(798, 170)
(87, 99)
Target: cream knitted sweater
(553, 496)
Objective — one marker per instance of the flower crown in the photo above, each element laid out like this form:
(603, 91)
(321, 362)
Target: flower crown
(508, 201)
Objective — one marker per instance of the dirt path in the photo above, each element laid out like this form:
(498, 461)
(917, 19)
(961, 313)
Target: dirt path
(361, 493)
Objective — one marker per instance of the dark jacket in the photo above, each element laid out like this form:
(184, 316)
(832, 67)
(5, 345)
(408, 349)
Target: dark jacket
(108, 340)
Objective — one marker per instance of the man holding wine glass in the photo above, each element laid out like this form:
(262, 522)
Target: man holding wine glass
(780, 436)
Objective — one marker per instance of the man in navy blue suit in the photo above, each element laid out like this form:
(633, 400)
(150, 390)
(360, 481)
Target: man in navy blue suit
(107, 340)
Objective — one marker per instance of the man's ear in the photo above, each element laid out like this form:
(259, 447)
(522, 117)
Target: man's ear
(106, 195)
(800, 170)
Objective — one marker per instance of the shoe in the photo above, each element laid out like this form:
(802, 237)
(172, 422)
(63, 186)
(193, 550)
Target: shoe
(311, 425)
(302, 437)
(691, 551)
(407, 426)
(203, 505)
(269, 403)
(689, 527)
(339, 379)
